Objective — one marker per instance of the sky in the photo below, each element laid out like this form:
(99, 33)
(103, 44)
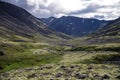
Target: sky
(99, 9)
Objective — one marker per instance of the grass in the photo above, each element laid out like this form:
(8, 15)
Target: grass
(101, 59)
(32, 57)
(83, 48)
(31, 60)
(21, 55)
(96, 48)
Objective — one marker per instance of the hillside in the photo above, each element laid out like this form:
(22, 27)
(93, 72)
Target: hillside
(107, 34)
(111, 29)
(73, 25)
(17, 24)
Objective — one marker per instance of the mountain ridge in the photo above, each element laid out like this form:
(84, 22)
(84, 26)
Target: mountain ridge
(74, 26)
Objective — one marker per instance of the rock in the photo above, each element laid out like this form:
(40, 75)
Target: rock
(98, 77)
(62, 67)
(46, 74)
(118, 77)
(89, 68)
(80, 76)
(72, 67)
(106, 76)
(29, 69)
(40, 68)
(58, 75)
(0, 78)
(31, 76)
(48, 67)
(5, 74)
(68, 73)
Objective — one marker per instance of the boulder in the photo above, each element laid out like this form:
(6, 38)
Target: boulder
(80, 76)
(31, 76)
(62, 67)
(106, 76)
(89, 68)
(58, 75)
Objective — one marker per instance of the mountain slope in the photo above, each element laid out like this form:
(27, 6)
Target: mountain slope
(107, 34)
(111, 29)
(73, 25)
(16, 22)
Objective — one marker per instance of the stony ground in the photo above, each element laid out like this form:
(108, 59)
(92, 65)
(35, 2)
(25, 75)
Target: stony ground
(64, 72)
(69, 68)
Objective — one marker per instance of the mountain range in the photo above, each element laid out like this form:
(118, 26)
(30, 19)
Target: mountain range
(17, 24)
(74, 26)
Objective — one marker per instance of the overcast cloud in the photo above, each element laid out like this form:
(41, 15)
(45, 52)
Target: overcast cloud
(100, 9)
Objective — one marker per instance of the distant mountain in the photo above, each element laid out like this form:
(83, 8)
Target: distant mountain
(73, 25)
(16, 23)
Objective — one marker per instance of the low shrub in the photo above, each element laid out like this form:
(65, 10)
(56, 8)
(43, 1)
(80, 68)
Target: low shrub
(83, 48)
(103, 58)
(1, 53)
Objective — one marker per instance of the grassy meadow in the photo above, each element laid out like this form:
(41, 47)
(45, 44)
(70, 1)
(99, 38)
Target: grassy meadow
(40, 61)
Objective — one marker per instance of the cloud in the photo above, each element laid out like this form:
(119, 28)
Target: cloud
(100, 9)
(89, 9)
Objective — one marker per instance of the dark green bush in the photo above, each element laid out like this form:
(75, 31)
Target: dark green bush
(1, 53)
(103, 58)
(83, 48)
(95, 48)
(116, 49)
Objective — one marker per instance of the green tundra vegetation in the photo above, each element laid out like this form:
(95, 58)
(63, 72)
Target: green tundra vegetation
(56, 61)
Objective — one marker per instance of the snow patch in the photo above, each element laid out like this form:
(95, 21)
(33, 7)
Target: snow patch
(92, 21)
(83, 21)
(51, 20)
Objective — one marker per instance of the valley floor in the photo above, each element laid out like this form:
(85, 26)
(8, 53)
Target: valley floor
(45, 62)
